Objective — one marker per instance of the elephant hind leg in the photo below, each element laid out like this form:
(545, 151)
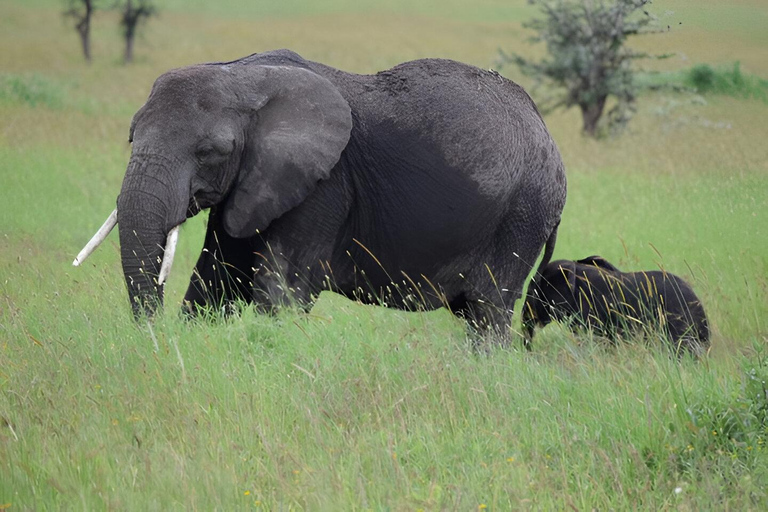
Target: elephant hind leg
(493, 286)
(487, 323)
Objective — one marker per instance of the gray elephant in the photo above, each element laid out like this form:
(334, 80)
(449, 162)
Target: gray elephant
(593, 293)
(407, 187)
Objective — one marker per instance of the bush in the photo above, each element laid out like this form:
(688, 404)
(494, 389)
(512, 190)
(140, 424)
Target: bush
(727, 428)
(32, 90)
(732, 82)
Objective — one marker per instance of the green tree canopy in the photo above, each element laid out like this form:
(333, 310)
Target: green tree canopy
(587, 58)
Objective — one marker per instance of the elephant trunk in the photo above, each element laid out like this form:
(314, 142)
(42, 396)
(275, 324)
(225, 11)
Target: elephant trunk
(149, 206)
(141, 252)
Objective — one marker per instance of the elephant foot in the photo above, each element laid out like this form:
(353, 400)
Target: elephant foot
(488, 325)
(488, 339)
(221, 309)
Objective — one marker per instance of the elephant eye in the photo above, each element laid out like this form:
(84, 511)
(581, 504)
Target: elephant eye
(204, 152)
(209, 155)
(214, 152)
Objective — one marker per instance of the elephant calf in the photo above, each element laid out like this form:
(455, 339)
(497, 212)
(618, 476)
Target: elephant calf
(595, 294)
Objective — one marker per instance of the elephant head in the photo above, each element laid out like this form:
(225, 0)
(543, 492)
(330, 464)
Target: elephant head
(553, 296)
(249, 138)
(552, 292)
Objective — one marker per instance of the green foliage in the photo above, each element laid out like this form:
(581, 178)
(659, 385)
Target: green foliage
(33, 90)
(725, 430)
(736, 424)
(707, 80)
(587, 61)
(728, 81)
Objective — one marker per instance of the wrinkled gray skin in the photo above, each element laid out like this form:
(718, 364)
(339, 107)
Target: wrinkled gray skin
(592, 293)
(411, 186)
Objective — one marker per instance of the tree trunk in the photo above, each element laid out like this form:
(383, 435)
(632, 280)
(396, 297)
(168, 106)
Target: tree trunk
(132, 16)
(591, 114)
(129, 37)
(84, 29)
(129, 24)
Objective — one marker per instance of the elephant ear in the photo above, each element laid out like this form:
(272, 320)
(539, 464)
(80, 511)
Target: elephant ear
(300, 126)
(600, 262)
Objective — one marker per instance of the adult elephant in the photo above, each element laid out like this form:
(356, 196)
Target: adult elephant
(411, 186)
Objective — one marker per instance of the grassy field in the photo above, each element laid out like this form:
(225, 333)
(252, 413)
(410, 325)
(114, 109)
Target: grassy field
(355, 407)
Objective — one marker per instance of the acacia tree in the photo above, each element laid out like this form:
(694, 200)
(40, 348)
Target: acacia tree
(134, 12)
(82, 11)
(587, 56)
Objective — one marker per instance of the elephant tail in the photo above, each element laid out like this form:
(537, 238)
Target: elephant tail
(549, 249)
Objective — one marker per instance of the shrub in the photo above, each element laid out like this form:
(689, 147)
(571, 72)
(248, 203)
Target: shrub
(32, 90)
(729, 81)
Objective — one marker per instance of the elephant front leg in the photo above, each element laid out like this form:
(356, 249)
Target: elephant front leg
(223, 273)
(278, 283)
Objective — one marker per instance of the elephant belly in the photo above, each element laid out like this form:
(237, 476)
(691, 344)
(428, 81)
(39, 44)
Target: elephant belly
(417, 236)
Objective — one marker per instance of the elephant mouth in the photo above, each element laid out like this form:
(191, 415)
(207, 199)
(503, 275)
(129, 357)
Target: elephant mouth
(194, 207)
(201, 201)
(172, 241)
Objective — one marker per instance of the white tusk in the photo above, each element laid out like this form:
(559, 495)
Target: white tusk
(99, 237)
(170, 252)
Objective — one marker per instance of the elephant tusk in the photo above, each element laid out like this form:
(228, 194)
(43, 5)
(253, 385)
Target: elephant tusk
(99, 237)
(170, 252)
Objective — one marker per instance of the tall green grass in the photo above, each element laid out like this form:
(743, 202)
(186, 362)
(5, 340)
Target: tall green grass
(359, 407)
(362, 407)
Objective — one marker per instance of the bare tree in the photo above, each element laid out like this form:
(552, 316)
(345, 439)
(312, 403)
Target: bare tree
(82, 11)
(134, 12)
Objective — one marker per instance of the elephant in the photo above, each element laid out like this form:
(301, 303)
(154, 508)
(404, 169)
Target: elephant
(592, 293)
(407, 187)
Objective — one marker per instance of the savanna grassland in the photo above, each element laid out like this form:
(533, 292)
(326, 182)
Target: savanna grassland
(355, 407)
